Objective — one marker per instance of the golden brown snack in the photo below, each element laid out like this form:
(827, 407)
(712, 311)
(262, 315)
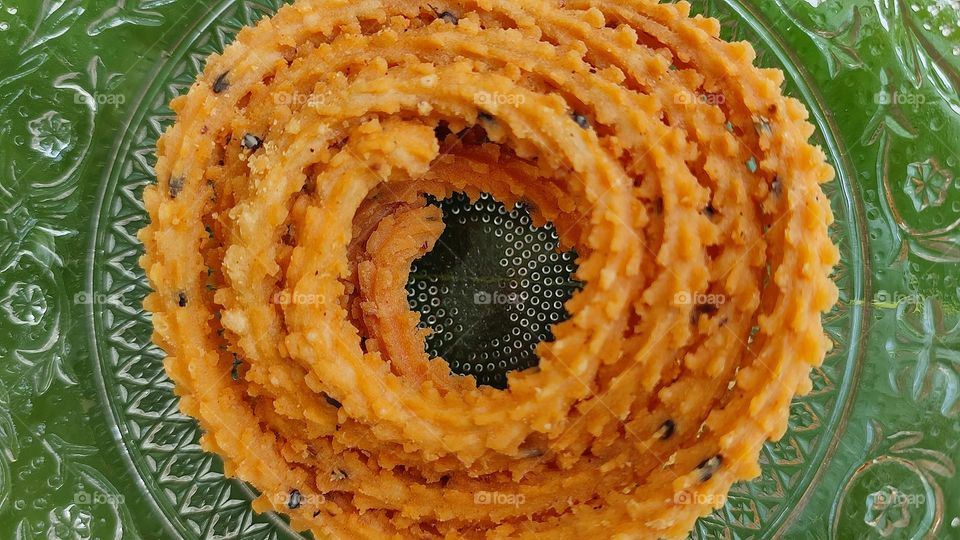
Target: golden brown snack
(290, 205)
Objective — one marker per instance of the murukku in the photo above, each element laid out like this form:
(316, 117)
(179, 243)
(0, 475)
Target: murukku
(292, 200)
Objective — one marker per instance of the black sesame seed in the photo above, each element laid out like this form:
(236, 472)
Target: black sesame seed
(710, 211)
(182, 299)
(332, 402)
(251, 142)
(581, 120)
(708, 467)
(235, 370)
(221, 83)
(776, 186)
(176, 186)
(762, 126)
(449, 17)
(667, 430)
(294, 501)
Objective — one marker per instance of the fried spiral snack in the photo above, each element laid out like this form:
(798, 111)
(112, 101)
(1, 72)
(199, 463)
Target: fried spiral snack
(291, 202)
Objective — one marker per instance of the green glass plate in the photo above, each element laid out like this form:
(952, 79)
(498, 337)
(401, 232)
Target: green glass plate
(92, 444)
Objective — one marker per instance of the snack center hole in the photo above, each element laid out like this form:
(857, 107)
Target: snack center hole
(491, 289)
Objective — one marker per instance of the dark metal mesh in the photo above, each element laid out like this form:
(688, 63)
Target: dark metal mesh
(491, 289)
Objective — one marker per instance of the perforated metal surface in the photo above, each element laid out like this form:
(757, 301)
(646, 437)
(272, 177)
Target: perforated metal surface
(491, 289)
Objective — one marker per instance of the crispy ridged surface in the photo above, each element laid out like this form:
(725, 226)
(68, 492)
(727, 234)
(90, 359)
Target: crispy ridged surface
(291, 202)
